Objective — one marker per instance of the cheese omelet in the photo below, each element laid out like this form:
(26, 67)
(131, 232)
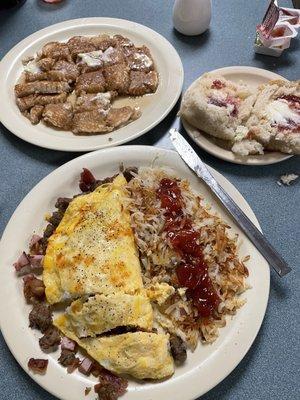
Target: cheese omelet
(102, 313)
(92, 257)
(140, 354)
(93, 249)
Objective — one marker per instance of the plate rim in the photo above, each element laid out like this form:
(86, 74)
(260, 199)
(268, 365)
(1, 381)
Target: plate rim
(25, 43)
(154, 150)
(227, 155)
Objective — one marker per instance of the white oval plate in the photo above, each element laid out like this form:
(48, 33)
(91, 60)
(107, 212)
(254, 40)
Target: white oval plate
(253, 77)
(154, 107)
(204, 368)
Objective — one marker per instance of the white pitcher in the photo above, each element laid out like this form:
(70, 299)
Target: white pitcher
(191, 17)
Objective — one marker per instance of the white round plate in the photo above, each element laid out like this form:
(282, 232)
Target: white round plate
(253, 77)
(154, 107)
(204, 368)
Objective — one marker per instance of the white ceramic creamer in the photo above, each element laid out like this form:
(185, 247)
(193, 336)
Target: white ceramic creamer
(191, 17)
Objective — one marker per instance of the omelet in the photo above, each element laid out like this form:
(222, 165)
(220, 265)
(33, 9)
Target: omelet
(143, 355)
(93, 249)
(159, 292)
(92, 257)
(102, 313)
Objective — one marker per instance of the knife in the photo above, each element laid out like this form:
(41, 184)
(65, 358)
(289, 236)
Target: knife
(194, 162)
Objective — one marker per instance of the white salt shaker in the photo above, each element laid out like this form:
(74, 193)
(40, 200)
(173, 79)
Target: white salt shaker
(191, 17)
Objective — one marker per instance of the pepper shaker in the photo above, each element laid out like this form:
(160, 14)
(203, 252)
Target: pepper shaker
(191, 17)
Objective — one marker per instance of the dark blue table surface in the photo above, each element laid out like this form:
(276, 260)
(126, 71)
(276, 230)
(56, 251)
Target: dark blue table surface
(270, 370)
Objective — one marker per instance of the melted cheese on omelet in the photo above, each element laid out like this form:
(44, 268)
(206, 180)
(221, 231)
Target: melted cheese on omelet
(93, 250)
(143, 355)
(103, 313)
(159, 292)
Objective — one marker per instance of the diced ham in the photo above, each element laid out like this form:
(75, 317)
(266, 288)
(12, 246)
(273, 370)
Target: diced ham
(22, 262)
(36, 261)
(34, 289)
(24, 270)
(68, 344)
(35, 244)
(85, 366)
(26, 263)
(34, 240)
(38, 365)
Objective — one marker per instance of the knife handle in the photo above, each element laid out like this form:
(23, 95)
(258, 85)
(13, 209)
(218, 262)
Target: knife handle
(256, 237)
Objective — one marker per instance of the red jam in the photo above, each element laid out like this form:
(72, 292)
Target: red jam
(217, 102)
(192, 272)
(225, 103)
(217, 84)
(290, 125)
(294, 101)
(231, 101)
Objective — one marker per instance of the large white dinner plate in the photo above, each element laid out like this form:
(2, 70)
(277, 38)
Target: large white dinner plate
(204, 368)
(154, 107)
(253, 77)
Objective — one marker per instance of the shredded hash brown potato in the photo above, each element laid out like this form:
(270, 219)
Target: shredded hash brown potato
(175, 313)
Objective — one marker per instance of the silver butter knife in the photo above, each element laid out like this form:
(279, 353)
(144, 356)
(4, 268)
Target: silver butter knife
(190, 157)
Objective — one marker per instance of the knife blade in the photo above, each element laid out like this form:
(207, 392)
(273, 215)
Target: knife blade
(194, 162)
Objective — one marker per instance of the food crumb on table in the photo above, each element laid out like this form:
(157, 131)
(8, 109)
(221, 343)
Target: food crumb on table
(287, 179)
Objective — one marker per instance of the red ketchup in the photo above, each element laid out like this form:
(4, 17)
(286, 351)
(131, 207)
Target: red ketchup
(192, 272)
(277, 32)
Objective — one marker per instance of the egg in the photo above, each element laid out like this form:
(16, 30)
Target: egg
(143, 355)
(159, 292)
(102, 313)
(93, 249)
